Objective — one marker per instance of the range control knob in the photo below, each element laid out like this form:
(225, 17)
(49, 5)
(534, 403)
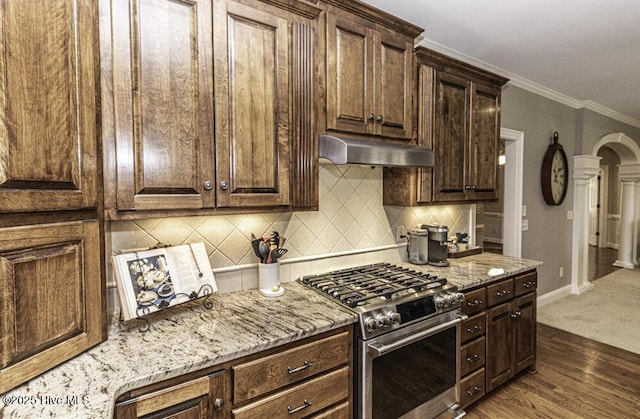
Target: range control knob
(383, 320)
(440, 302)
(394, 317)
(371, 324)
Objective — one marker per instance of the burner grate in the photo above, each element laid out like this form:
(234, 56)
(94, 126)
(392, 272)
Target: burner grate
(361, 285)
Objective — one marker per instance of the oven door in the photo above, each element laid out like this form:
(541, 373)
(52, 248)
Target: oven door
(412, 372)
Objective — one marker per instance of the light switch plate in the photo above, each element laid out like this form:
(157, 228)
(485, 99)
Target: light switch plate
(524, 210)
(569, 215)
(525, 225)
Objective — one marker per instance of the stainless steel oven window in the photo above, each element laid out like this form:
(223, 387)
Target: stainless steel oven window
(411, 373)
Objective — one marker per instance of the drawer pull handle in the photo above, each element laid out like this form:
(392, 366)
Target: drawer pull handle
(475, 390)
(475, 329)
(304, 366)
(474, 303)
(516, 314)
(503, 293)
(528, 284)
(299, 408)
(474, 358)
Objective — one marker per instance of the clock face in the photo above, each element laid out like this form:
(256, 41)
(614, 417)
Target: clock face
(557, 176)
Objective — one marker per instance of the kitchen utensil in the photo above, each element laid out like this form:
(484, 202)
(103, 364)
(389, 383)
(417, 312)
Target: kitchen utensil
(255, 243)
(275, 239)
(263, 249)
(276, 254)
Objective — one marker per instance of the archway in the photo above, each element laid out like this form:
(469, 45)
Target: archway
(585, 167)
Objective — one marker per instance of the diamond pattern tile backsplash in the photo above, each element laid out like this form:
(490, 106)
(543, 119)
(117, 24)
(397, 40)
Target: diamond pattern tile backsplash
(351, 220)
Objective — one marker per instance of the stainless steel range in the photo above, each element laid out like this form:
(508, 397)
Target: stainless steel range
(407, 340)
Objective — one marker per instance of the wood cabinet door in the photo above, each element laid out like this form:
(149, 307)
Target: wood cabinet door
(51, 297)
(483, 143)
(525, 331)
(350, 72)
(450, 137)
(500, 351)
(48, 155)
(394, 86)
(200, 398)
(252, 106)
(163, 104)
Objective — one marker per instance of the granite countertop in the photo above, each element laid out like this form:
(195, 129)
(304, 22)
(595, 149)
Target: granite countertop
(189, 338)
(181, 340)
(472, 271)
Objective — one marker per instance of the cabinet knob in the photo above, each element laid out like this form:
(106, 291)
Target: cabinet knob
(224, 185)
(208, 185)
(379, 118)
(218, 404)
(516, 314)
(372, 117)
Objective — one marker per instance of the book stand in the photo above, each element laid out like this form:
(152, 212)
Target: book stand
(144, 308)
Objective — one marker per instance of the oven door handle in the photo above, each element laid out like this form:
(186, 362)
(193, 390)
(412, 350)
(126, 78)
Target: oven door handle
(379, 350)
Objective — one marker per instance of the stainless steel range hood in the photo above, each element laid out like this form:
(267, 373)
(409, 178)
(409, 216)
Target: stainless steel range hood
(374, 153)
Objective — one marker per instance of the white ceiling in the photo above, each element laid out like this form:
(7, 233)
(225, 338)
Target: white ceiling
(588, 50)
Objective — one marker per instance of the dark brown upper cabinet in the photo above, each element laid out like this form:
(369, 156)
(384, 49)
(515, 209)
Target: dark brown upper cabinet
(48, 99)
(161, 81)
(203, 105)
(369, 75)
(458, 109)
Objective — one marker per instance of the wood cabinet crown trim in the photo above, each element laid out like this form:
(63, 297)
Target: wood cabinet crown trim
(443, 62)
(377, 16)
(293, 6)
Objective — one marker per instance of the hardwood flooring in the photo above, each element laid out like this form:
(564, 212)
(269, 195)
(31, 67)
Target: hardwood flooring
(575, 378)
(601, 262)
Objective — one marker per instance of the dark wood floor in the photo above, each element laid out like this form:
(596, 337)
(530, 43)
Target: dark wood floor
(575, 378)
(601, 262)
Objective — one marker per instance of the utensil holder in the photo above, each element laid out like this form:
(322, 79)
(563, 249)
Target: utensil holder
(269, 279)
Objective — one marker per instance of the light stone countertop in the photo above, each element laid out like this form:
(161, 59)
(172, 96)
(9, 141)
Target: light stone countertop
(181, 340)
(471, 271)
(189, 338)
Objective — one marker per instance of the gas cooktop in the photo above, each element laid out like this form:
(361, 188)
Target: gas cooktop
(386, 296)
(372, 284)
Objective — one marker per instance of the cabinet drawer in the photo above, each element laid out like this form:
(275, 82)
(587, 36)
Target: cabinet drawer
(500, 292)
(474, 301)
(272, 372)
(525, 283)
(472, 388)
(339, 412)
(301, 400)
(472, 356)
(473, 327)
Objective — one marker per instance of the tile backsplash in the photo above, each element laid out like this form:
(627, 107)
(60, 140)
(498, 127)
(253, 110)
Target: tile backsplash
(350, 227)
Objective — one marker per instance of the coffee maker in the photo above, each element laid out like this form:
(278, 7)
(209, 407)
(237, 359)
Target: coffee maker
(438, 249)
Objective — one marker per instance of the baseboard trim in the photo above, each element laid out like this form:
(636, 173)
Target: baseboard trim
(554, 295)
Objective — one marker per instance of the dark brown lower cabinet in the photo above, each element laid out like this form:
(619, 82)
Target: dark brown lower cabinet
(199, 398)
(499, 337)
(51, 297)
(511, 339)
(310, 378)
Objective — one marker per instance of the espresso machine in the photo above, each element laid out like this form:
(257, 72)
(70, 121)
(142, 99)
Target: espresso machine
(438, 249)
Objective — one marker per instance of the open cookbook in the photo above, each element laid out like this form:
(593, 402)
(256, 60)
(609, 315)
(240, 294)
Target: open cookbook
(152, 280)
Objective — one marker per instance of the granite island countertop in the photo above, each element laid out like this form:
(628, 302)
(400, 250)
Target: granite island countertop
(181, 340)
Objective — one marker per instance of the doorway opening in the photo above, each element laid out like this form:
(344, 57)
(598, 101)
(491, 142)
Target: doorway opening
(503, 221)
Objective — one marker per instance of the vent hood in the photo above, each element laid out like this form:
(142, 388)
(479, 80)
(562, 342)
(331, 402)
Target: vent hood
(374, 153)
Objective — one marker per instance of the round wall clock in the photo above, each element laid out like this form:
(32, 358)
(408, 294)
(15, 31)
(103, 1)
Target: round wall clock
(555, 173)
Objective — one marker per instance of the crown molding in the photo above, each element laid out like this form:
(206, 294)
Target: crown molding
(530, 86)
